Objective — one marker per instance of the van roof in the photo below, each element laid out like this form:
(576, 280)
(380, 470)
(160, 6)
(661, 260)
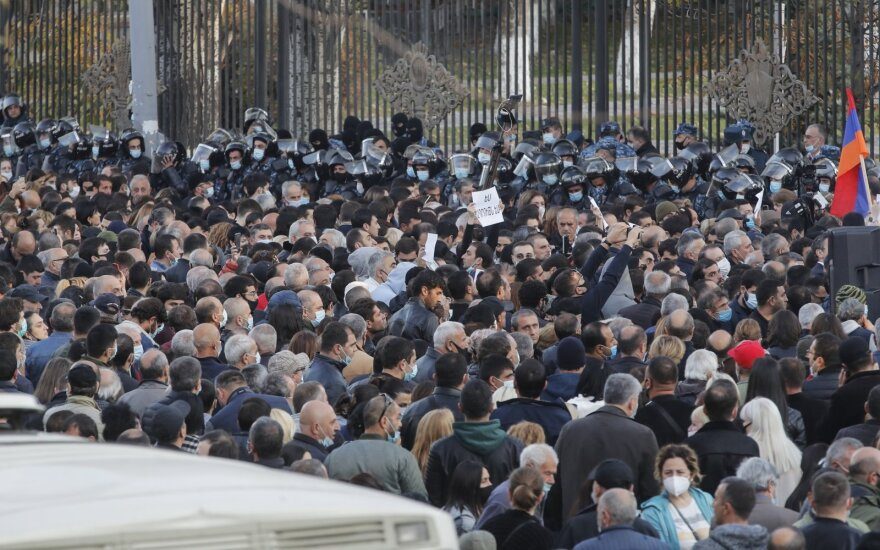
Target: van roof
(64, 491)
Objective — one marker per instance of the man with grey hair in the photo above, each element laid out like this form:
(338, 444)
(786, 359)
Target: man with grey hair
(808, 313)
(241, 351)
(52, 259)
(333, 238)
(673, 302)
(449, 337)
(737, 247)
(524, 346)
(198, 275)
(296, 276)
(300, 229)
(201, 257)
(539, 456)
(265, 439)
(379, 266)
(689, 247)
(853, 318)
(609, 431)
(773, 246)
(255, 376)
(182, 344)
(266, 338)
(154, 383)
(309, 467)
(647, 312)
(839, 454)
(765, 479)
(361, 362)
(616, 511)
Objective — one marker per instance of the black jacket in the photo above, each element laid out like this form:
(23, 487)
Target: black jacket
(550, 415)
(592, 380)
(414, 322)
(813, 412)
(720, 447)
(515, 529)
(848, 403)
(824, 384)
(830, 533)
(177, 272)
(865, 432)
(624, 364)
(585, 526)
(669, 428)
(306, 443)
(442, 398)
(645, 314)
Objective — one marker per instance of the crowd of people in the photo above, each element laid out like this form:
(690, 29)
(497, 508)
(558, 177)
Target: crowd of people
(645, 353)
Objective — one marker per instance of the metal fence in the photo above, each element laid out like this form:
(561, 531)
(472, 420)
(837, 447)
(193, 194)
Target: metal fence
(313, 62)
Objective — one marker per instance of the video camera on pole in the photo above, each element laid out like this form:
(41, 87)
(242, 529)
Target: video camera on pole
(506, 120)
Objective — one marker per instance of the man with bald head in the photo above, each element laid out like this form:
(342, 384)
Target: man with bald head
(108, 284)
(680, 324)
(206, 339)
(238, 317)
(313, 307)
(210, 310)
(786, 538)
(864, 474)
(52, 259)
(719, 343)
(23, 243)
(319, 428)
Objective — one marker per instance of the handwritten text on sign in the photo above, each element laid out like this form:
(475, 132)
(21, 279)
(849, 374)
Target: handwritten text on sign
(488, 205)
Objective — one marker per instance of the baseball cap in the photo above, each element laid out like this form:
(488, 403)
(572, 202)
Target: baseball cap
(685, 128)
(167, 420)
(609, 128)
(106, 303)
(551, 121)
(27, 292)
(612, 474)
(852, 350)
(746, 352)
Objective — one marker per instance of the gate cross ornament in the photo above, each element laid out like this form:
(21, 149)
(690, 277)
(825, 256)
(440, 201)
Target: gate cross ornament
(757, 87)
(420, 86)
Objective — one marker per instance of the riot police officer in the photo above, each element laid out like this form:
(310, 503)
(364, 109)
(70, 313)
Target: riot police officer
(228, 185)
(132, 157)
(172, 168)
(573, 181)
(13, 111)
(609, 137)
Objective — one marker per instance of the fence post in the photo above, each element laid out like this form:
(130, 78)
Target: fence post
(601, 32)
(577, 70)
(260, 54)
(145, 111)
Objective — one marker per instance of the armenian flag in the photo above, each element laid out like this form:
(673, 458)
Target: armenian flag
(851, 190)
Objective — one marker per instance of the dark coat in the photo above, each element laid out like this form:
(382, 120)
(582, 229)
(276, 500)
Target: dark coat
(585, 526)
(813, 412)
(425, 364)
(665, 431)
(414, 322)
(624, 364)
(848, 403)
(227, 417)
(608, 432)
(823, 385)
(592, 379)
(306, 443)
(562, 385)
(442, 398)
(550, 415)
(826, 533)
(865, 432)
(720, 447)
(328, 372)
(645, 314)
(623, 537)
(177, 272)
(211, 367)
(515, 529)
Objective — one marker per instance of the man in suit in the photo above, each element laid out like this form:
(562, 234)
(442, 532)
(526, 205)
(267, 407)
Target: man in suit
(764, 478)
(232, 391)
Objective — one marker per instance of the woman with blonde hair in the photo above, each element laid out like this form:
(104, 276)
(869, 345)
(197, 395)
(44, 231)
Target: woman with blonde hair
(518, 527)
(682, 513)
(527, 432)
(763, 423)
(747, 329)
(434, 426)
(667, 346)
(218, 235)
(141, 215)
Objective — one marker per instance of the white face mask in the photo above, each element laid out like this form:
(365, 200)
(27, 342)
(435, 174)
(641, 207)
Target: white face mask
(724, 267)
(7, 175)
(744, 148)
(676, 485)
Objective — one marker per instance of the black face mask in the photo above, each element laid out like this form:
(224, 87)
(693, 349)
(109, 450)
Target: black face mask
(464, 351)
(485, 492)
(679, 145)
(252, 304)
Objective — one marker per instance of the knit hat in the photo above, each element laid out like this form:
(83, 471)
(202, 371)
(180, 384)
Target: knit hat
(850, 291)
(663, 209)
(571, 355)
(746, 352)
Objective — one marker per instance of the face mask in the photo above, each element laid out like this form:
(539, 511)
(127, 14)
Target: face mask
(550, 179)
(824, 187)
(461, 173)
(6, 175)
(135, 153)
(508, 384)
(327, 442)
(319, 316)
(750, 223)
(775, 186)
(410, 171)
(613, 351)
(299, 202)
(744, 148)
(549, 138)
(45, 143)
(205, 165)
(676, 485)
(23, 329)
(257, 356)
(724, 267)
(235, 165)
(541, 211)
(485, 493)
(258, 154)
(250, 326)
(752, 300)
(394, 437)
(721, 194)
(567, 163)
(161, 327)
(411, 375)
(675, 189)
(810, 148)
(724, 316)
(209, 192)
(96, 151)
(547, 487)
(138, 352)
(576, 197)
(73, 192)
(346, 360)
(484, 158)
(465, 352)
(359, 188)
(8, 151)
(113, 352)
(224, 320)
(679, 145)
(422, 175)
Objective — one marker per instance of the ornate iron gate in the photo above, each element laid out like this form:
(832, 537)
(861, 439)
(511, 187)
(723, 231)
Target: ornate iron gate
(313, 62)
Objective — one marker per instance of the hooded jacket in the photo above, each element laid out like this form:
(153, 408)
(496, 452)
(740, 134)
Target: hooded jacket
(562, 385)
(483, 442)
(735, 537)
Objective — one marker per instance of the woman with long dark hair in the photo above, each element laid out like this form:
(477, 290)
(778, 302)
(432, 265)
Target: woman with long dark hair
(766, 381)
(468, 489)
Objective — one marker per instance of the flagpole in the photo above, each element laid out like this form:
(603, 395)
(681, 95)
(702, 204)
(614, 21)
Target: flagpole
(865, 179)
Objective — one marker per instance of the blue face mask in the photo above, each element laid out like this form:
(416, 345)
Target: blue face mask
(138, 352)
(290, 164)
(411, 375)
(23, 329)
(394, 437)
(205, 165)
(724, 316)
(258, 154)
(461, 173)
(549, 138)
(45, 143)
(327, 442)
(576, 197)
(824, 187)
(550, 179)
(96, 151)
(422, 175)
(484, 158)
(752, 300)
(810, 148)
(135, 153)
(613, 351)
(8, 150)
(775, 186)
(319, 316)
(547, 487)
(410, 171)
(750, 223)
(235, 165)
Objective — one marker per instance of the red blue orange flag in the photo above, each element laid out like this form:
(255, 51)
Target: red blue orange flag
(851, 190)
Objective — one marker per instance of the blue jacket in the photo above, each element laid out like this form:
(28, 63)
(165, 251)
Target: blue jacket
(562, 385)
(550, 415)
(40, 353)
(622, 537)
(227, 418)
(656, 512)
(328, 372)
(211, 367)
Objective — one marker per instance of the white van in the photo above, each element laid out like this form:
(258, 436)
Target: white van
(63, 492)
